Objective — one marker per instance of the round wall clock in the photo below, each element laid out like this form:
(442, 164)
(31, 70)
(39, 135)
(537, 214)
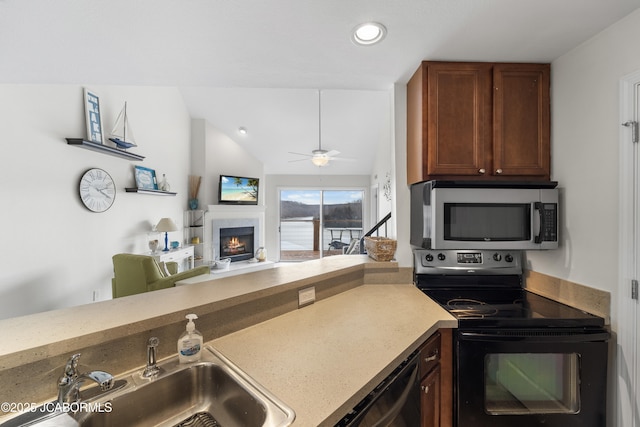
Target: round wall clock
(97, 190)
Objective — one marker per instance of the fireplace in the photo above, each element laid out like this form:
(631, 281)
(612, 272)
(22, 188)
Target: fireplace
(222, 219)
(236, 243)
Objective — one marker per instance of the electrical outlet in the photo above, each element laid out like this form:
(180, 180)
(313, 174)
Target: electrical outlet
(306, 296)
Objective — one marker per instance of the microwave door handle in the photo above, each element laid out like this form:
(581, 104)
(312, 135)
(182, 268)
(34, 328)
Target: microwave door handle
(539, 207)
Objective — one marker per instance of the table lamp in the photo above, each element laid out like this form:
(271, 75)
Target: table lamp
(165, 225)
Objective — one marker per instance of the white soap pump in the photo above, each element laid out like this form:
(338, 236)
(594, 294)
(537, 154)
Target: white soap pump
(190, 342)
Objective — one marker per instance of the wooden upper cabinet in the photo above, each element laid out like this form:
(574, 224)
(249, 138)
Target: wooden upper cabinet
(521, 124)
(459, 117)
(478, 121)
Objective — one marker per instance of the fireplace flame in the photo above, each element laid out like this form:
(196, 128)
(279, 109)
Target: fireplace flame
(234, 243)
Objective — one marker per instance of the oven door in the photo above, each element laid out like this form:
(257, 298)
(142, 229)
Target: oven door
(531, 377)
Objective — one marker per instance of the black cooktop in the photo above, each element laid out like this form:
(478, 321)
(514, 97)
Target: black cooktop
(484, 289)
(509, 308)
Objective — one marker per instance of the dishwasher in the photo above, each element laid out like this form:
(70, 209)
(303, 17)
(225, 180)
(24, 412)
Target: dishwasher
(395, 402)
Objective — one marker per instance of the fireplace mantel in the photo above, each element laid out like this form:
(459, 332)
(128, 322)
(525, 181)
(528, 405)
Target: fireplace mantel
(236, 209)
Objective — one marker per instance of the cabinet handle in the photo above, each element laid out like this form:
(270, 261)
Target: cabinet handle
(431, 357)
(498, 171)
(425, 389)
(482, 170)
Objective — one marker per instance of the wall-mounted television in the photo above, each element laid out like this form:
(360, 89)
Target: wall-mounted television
(238, 190)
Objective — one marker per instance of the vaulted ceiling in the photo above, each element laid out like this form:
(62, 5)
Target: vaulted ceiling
(259, 64)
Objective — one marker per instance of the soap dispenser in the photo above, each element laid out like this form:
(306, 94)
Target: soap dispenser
(190, 342)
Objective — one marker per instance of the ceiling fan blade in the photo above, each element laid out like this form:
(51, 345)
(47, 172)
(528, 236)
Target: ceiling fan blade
(301, 154)
(332, 153)
(342, 159)
(299, 160)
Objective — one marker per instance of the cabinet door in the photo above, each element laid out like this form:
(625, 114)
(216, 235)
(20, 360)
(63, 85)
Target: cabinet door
(459, 119)
(430, 399)
(521, 130)
(430, 354)
(449, 121)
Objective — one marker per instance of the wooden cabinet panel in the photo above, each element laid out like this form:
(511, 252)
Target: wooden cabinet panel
(430, 354)
(521, 129)
(436, 380)
(430, 399)
(478, 121)
(416, 126)
(446, 378)
(459, 118)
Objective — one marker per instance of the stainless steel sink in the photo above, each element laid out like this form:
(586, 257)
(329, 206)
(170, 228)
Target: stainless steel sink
(197, 394)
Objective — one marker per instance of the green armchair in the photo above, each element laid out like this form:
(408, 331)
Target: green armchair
(135, 274)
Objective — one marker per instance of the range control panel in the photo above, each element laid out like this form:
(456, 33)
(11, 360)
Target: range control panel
(427, 261)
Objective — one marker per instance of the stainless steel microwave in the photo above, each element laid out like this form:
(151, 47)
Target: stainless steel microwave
(484, 215)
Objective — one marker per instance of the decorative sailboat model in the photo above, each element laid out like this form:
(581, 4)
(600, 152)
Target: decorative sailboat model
(121, 135)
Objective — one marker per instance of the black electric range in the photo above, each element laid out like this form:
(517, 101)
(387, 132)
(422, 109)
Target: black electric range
(519, 358)
(484, 289)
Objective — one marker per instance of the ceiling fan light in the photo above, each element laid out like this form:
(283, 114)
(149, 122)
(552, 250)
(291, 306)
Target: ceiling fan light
(319, 160)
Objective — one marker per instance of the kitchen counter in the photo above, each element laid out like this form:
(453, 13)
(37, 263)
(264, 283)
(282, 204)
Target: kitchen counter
(324, 358)
(320, 359)
(29, 338)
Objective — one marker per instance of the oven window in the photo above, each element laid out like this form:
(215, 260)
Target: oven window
(487, 221)
(532, 383)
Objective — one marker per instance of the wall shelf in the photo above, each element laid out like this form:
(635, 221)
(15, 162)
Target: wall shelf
(153, 192)
(105, 149)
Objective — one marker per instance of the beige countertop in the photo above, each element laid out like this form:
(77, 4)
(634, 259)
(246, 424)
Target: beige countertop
(324, 358)
(320, 359)
(30, 338)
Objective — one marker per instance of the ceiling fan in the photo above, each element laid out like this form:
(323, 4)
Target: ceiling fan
(320, 157)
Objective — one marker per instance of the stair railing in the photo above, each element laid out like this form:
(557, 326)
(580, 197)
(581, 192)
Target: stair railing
(375, 229)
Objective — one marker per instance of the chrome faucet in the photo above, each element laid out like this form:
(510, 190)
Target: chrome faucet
(70, 381)
(152, 368)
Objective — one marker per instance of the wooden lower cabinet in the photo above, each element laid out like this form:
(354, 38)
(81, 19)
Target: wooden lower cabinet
(430, 399)
(436, 380)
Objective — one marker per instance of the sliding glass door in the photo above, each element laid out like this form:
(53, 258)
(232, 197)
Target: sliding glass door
(319, 223)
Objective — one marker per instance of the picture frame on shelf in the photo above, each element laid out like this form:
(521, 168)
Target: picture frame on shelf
(145, 178)
(93, 116)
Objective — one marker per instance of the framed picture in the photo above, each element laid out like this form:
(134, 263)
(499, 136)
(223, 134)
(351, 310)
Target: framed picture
(92, 114)
(146, 178)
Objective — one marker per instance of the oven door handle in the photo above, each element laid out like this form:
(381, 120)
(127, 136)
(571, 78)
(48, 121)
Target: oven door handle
(536, 336)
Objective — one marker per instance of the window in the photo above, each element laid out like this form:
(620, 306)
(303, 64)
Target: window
(318, 223)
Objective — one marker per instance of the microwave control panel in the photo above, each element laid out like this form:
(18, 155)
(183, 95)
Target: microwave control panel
(549, 224)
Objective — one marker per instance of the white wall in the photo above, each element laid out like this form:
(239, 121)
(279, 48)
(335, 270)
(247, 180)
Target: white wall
(214, 153)
(586, 130)
(384, 167)
(401, 190)
(56, 253)
(585, 133)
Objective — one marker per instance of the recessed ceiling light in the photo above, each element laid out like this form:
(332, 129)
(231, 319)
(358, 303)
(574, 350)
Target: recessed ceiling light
(368, 33)
(242, 130)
